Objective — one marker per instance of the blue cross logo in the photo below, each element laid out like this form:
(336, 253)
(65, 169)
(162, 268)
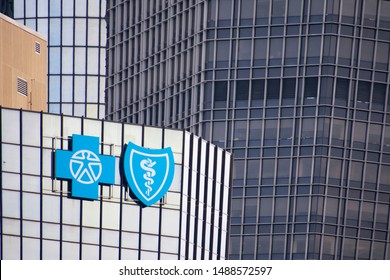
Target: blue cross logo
(85, 167)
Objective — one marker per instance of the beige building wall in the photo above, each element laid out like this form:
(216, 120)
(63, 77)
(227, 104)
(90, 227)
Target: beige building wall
(23, 66)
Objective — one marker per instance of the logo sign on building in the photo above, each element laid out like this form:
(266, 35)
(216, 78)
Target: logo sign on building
(85, 167)
(149, 172)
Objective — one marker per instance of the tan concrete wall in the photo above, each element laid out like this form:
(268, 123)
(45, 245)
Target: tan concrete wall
(19, 59)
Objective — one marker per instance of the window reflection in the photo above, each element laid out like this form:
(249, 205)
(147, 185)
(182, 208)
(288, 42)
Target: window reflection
(273, 88)
(278, 246)
(255, 132)
(345, 51)
(242, 93)
(262, 11)
(288, 91)
(314, 49)
(260, 52)
(276, 48)
(302, 209)
(342, 91)
(270, 132)
(220, 94)
(265, 212)
(278, 11)
(224, 12)
(335, 168)
(246, 12)
(294, 11)
(280, 214)
(349, 248)
(359, 135)
(257, 93)
(348, 11)
(263, 246)
(331, 210)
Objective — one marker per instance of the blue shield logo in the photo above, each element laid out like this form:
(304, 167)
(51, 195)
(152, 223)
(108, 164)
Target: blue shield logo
(149, 172)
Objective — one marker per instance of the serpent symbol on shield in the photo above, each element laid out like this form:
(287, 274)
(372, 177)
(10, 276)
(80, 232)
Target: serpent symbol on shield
(149, 172)
(147, 164)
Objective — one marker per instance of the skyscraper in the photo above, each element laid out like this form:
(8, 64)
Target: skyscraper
(23, 62)
(42, 218)
(298, 90)
(76, 34)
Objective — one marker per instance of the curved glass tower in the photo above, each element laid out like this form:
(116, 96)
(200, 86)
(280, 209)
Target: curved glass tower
(76, 34)
(297, 90)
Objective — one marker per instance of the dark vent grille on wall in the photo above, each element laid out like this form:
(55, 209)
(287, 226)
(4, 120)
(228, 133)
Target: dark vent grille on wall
(21, 86)
(37, 47)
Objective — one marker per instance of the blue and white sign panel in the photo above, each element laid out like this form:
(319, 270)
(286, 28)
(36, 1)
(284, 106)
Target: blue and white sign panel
(149, 172)
(85, 167)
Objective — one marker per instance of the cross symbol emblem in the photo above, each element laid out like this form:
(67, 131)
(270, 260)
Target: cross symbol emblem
(85, 167)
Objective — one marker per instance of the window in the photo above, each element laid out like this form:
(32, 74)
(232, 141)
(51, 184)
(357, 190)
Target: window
(382, 55)
(262, 11)
(374, 137)
(240, 129)
(352, 215)
(328, 247)
(244, 52)
(260, 52)
(278, 247)
(275, 51)
(314, 48)
(302, 209)
(370, 11)
(265, 210)
(278, 11)
(356, 172)
(342, 91)
(378, 96)
(329, 52)
(331, 210)
(257, 92)
(345, 50)
(270, 134)
(294, 11)
(310, 94)
(288, 91)
(335, 167)
(304, 170)
(242, 93)
(220, 94)
(255, 132)
(250, 210)
(224, 12)
(286, 132)
(366, 54)
(291, 55)
(273, 87)
(246, 12)
(348, 11)
(263, 244)
(316, 10)
(307, 134)
(222, 59)
(280, 214)
(359, 135)
(268, 169)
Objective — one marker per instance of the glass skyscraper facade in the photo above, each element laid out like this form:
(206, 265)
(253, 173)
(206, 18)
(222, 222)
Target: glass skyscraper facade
(297, 90)
(76, 34)
(40, 219)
